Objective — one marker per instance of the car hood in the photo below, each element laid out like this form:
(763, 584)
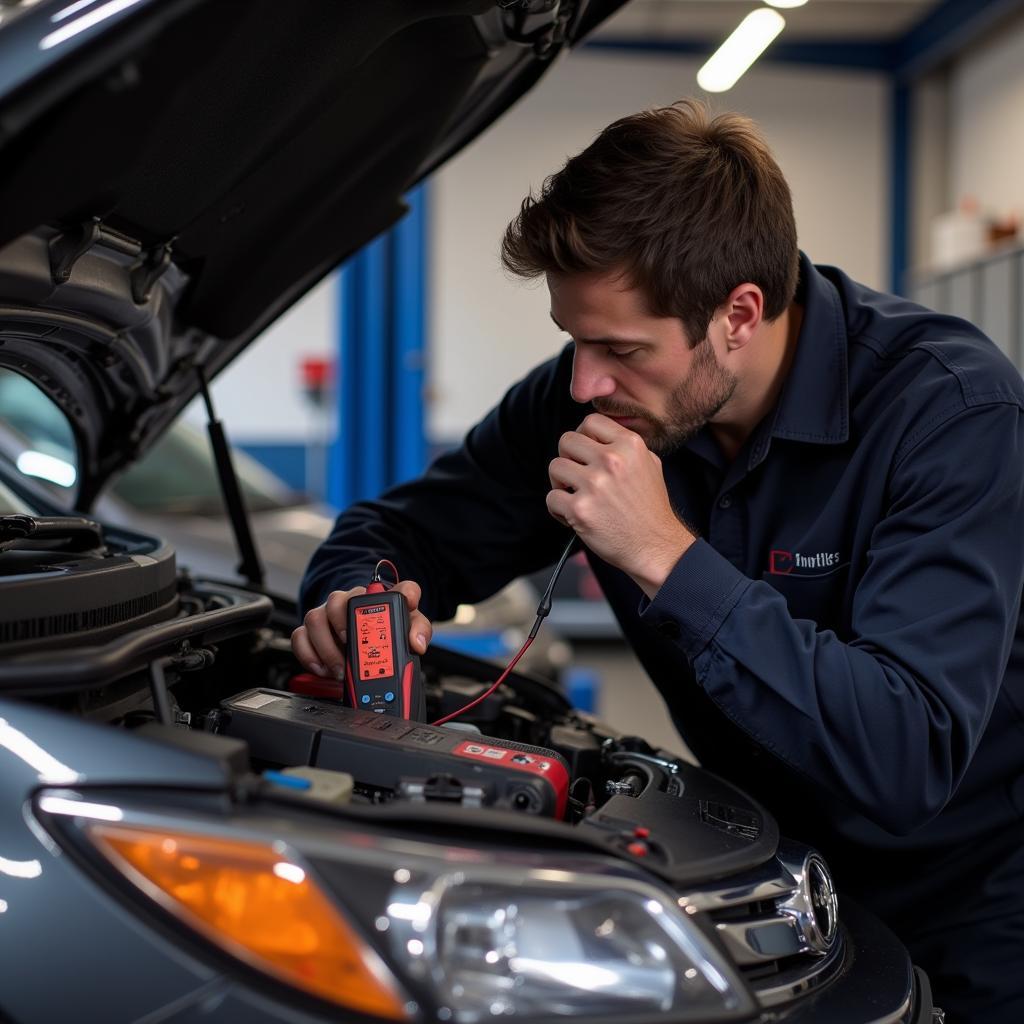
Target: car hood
(176, 173)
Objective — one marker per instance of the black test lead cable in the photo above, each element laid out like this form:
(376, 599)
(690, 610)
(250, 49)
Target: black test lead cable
(542, 612)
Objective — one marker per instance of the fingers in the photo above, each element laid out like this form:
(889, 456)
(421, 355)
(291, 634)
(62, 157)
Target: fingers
(420, 631)
(602, 428)
(590, 441)
(412, 592)
(318, 643)
(305, 654)
(420, 628)
(595, 474)
(566, 474)
(579, 448)
(559, 506)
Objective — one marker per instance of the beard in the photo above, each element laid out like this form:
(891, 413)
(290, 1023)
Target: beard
(690, 405)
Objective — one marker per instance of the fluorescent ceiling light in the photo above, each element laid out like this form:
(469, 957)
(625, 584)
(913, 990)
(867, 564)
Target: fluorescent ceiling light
(785, 4)
(740, 50)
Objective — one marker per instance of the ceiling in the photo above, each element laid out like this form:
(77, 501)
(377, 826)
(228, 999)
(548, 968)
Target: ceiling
(820, 20)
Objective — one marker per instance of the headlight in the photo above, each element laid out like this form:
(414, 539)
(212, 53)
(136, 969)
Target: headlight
(542, 943)
(258, 905)
(418, 930)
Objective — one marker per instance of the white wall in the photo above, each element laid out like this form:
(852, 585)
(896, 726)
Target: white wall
(829, 132)
(986, 127)
(259, 396)
(929, 162)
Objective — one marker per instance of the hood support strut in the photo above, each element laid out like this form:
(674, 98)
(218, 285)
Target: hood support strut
(250, 567)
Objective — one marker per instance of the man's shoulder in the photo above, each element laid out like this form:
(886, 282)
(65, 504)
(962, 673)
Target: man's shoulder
(902, 348)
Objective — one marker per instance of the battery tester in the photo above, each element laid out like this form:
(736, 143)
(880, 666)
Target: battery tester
(381, 673)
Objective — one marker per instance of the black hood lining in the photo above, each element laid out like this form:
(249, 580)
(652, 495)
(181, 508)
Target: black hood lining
(263, 176)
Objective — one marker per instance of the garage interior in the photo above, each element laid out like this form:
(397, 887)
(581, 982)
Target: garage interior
(204, 815)
(895, 122)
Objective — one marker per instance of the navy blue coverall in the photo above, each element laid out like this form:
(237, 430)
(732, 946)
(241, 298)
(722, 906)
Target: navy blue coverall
(844, 641)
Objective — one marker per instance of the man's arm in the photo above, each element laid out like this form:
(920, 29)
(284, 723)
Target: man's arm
(890, 720)
(610, 489)
(475, 520)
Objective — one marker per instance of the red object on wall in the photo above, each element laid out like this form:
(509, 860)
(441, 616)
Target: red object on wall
(317, 378)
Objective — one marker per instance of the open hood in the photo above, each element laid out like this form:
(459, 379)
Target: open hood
(176, 173)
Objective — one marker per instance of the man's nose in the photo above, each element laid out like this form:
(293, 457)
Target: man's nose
(590, 379)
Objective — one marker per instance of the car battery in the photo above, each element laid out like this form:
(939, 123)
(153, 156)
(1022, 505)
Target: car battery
(385, 753)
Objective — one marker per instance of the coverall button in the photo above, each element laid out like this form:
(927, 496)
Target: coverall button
(725, 501)
(669, 628)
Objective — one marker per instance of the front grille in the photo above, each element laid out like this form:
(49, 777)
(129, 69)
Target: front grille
(778, 924)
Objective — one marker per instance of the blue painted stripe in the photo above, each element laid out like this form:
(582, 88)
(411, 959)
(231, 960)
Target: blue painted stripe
(382, 340)
(340, 470)
(370, 421)
(409, 305)
(359, 454)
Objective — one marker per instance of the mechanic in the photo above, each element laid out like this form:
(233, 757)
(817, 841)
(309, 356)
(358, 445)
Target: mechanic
(803, 500)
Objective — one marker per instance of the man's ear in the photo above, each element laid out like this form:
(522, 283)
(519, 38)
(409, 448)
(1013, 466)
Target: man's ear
(741, 315)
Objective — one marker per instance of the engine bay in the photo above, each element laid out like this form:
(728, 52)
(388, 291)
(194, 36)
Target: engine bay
(214, 673)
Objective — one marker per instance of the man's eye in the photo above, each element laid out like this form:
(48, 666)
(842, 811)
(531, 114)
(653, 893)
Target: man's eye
(622, 353)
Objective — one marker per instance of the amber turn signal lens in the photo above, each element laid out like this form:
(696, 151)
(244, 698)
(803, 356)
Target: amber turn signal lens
(259, 907)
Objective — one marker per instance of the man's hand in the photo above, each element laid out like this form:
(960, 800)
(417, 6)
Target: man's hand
(319, 643)
(608, 486)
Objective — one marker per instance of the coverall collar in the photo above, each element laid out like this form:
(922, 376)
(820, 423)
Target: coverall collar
(814, 403)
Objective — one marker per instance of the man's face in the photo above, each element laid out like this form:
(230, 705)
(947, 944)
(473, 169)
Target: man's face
(634, 367)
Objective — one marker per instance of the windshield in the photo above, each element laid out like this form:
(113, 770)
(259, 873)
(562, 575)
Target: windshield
(35, 435)
(179, 476)
(10, 503)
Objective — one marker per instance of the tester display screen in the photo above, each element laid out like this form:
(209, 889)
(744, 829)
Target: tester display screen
(373, 642)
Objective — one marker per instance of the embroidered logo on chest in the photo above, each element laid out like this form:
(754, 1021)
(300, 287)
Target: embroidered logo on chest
(802, 563)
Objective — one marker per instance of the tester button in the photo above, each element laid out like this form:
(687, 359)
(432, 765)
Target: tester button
(389, 697)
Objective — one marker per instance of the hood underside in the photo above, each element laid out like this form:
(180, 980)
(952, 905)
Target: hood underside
(177, 173)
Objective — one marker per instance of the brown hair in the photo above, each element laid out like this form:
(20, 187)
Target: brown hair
(686, 205)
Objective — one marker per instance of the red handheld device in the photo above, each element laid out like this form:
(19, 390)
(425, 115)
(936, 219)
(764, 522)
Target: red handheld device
(382, 674)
